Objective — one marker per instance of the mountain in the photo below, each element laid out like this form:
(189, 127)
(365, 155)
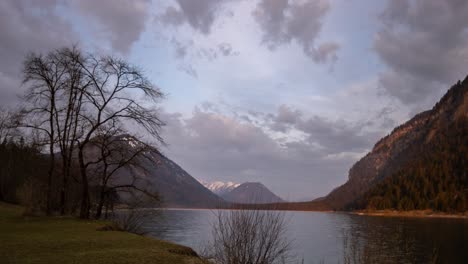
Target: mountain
(250, 193)
(157, 173)
(220, 188)
(435, 139)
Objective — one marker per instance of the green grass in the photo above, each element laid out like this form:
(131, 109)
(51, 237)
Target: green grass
(51, 240)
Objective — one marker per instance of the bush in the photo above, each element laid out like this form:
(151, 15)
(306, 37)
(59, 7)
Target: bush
(250, 236)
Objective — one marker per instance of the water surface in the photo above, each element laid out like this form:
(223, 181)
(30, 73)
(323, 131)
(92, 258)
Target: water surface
(342, 238)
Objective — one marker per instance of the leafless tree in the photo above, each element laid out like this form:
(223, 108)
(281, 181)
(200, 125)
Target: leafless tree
(44, 75)
(73, 97)
(250, 236)
(117, 150)
(110, 97)
(7, 125)
(67, 115)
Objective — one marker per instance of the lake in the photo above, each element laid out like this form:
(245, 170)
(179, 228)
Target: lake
(319, 237)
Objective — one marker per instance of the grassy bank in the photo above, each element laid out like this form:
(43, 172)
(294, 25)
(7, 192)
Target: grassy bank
(51, 240)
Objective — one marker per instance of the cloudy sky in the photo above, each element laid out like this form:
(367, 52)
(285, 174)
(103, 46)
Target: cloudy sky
(289, 93)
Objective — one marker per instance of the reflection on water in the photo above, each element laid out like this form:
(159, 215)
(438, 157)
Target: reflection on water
(343, 238)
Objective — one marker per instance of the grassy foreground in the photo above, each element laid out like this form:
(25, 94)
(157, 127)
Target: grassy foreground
(51, 240)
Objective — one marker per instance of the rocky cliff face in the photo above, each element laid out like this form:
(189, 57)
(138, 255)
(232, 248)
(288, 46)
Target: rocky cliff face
(398, 148)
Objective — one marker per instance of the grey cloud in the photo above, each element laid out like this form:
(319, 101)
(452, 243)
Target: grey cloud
(188, 69)
(337, 136)
(181, 50)
(425, 46)
(221, 50)
(199, 14)
(186, 51)
(329, 135)
(285, 118)
(284, 21)
(288, 115)
(226, 49)
(27, 26)
(123, 21)
(172, 16)
(209, 54)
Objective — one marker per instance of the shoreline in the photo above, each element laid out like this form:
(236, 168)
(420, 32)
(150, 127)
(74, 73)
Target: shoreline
(381, 213)
(411, 214)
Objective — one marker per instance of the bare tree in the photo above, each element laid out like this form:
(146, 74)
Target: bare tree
(67, 115)
(110, 97)
(7, 125)
(250, 236)
(44, 75)
(72, 98)
(117, 150)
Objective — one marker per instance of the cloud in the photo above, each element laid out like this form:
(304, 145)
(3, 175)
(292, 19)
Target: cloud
(284, 21)
(212, 145)
(187, 53)
(424, 43)
(200, 14)
(226, 49)
(122, 21)
(285, 118)
(330, 136)
(27, 26)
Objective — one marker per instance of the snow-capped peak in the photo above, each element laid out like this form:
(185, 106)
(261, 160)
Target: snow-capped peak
(219, 187)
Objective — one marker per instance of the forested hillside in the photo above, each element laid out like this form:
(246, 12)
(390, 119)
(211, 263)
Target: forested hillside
(437, 180)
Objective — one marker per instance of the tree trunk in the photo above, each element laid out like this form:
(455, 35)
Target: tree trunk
(101, 202)
(49, 178)
(85, 202)
(63, 191)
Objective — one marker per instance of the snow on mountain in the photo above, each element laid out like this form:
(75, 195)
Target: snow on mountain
(219, 187)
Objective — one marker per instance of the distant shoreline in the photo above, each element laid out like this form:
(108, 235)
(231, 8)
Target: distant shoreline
(412, 214)
(381, 213)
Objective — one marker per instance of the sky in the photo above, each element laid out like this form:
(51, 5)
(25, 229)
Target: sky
(288, 93)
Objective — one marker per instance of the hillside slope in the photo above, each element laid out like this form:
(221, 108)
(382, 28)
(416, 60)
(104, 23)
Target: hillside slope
(174, 184)
(405, 145)
(436, 180)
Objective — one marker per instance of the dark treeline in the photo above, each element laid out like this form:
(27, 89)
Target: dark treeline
(75, 116)
(436, 180)
(20, 162)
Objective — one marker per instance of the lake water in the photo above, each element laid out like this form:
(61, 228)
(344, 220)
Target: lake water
(342, 238)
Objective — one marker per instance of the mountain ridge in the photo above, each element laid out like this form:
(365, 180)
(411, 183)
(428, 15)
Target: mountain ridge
(251, 193)
(395, 150)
